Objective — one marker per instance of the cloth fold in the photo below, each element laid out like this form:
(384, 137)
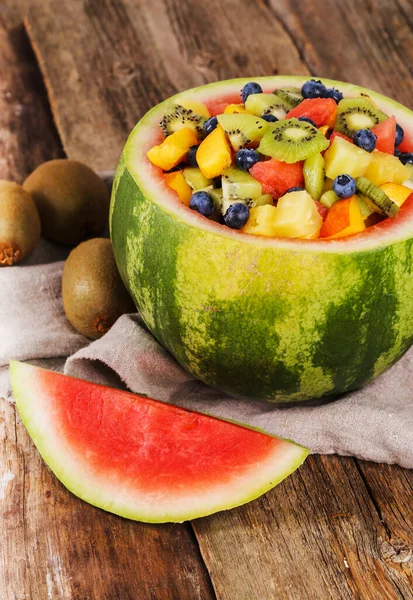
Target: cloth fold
(374, 423)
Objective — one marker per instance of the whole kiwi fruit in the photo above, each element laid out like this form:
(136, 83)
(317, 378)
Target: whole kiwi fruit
(19, 223)
(94, 296)
(72, 200)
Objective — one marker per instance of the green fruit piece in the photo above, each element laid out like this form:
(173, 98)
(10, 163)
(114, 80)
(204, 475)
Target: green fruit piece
(195, 179)
(242, 129)
(377, 198)
(328, 198)
(19, 223)
(238, 186)
(345, 157)
(357, 113)
(366, 208)
(73, 202)
(292, 140)
(290, 97)
(314, 174)
(265, 104)
(143, 459)
(178, 117)
(94, 296)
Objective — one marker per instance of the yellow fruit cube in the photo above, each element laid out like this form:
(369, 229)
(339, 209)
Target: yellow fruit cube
(235, 108)
(342, 157)
(214, 154)
(386, 168)
(297, 216)
(396, 192)
(173, 149)
(261, 221)
(324, 129)
(176, 181)
(197, 107)
(356, 219)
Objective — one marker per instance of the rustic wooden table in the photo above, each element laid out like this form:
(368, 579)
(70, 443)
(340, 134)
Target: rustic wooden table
(339, 528)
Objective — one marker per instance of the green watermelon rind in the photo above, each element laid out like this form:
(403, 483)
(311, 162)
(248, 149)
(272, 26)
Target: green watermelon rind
(31, 402)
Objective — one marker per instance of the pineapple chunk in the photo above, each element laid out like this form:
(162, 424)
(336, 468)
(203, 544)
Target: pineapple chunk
(261, 221)
(176, 181)
(173, 149)
(214, 154)
(344, 157)
(297, 216)
(386, 168)
(396, 192)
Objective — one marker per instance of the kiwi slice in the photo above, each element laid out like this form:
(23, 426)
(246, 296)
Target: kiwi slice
(376, 198)
(242, 129)
(265, 104)
(292, 140)
(238, 186)
(366, 208)
(178, 117)
(357, 113)
(328, 198)
(314, 174)
(290, 97)
(195, 179)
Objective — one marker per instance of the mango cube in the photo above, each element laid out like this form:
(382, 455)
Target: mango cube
(396, 192)
(173, 149)
(214, 154)
(176, 181)
(344, 157)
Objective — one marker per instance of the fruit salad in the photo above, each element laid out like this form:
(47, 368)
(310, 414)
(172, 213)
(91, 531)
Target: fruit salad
(296, 163)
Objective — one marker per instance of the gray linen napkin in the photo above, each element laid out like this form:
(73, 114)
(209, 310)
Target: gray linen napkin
(374, 423)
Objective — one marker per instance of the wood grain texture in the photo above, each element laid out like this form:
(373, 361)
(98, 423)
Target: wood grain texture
(53, 546)
(316, 536)
(120, 58)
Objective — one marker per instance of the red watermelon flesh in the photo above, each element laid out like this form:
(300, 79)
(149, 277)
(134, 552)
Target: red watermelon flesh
(216, 106)
(141, 458)
(276, 177)
(338, 134)
(322, 111)
(385, 133)
(407, 143)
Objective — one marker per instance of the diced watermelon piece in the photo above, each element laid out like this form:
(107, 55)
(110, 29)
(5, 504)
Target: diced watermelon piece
(407, 143)
(322, 111)
(276, 177)
(216, 106)
(386, 135)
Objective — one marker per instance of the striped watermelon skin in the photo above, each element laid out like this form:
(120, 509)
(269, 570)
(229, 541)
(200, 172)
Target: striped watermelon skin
(277, 320)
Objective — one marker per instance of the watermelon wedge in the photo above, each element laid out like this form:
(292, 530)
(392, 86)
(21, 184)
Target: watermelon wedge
(143, 459)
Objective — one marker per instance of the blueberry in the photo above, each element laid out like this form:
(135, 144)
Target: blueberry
(307, 120)
(399, 135)
(250, 88)
(294, 189)
(365, 139)
(313, 89)
(336, 95)
(202, 203)
(210, 125)
(237, 215)
(192, 156)
(269, 118)
(397, 152)
(344, 186)
(406, 157)
(246, 158)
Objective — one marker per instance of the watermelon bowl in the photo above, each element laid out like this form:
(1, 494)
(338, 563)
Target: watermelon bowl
(277, 319)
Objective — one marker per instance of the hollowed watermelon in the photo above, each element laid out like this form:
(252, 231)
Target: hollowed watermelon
(143, 459)
(276, 319)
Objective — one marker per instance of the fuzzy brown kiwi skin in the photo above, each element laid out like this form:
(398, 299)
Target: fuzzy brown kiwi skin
(94, 296)
(72, 200)
(19, 223)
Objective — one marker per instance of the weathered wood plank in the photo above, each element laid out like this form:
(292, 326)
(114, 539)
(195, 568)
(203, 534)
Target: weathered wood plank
(317, 535)
(52, 544)
(120, 58)
(367, 43)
